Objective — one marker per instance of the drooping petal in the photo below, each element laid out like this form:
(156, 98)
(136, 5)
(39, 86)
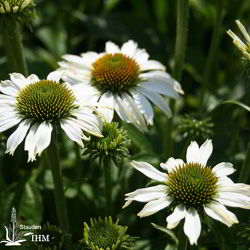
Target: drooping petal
(160, 87)
(156, 99)
(154, 206)
(134, 112)
(163, 76)
(38, 139)
(144, 106)
(111, 48)
(17, 137)
(149, 171)
(174, 218)
(223, 169)
(107, 111)
(73, 131)
(218, 212)
(171, 164)
(147, 194)
(192, 225)
(89, 122)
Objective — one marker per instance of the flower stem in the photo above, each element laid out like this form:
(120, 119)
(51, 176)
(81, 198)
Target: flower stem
(108, 183)
(245, 169)
(213, 50)
(180, 52)
(54, 163)
(13, 46)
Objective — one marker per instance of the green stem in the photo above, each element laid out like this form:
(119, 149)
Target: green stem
(13, 46)
(245, 169)
(213, 50)
(53, 159)
(108, 183)
(183, 240)
(180, 52)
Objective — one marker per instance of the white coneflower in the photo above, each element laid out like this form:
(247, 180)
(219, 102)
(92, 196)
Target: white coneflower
(13, 6)
(191, 187)
(40, 105)
(125, 79)
(244, 48)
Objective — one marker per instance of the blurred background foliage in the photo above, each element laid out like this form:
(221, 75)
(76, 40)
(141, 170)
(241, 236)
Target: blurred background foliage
(63, 26)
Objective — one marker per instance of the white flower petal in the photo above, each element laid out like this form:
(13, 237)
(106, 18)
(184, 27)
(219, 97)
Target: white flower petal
(9, 123)
(141, 56)
(134, 112)
(150, 171)
(73, 131)
(156, 99)
(111, 48)
(127, 203)
(234, 199)
(205, 152)
(224, 180)
(90, 57)
(18, 80)
(148, 194)
(77, 61)
(8, 88)
(163, 76)
(107, 111)
(218, 212)
(89, 122)
(160, 87)
(32, 78)
(144, 106)
(17, 137)
(152, 65)
(171, 164)
(223, 169)
(55, 76)
(153, 207)
(235, 188)
(192, 225)
(129, 48)
(192, 152)
(38, 139)
(121, 109)
(174, 218)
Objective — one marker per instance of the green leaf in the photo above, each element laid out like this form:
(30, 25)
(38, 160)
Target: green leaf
(247, 108)
(168, 232)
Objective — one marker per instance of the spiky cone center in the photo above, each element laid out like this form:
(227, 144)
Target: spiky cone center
(192, 184)
(115, 72)
(46, 101)
(103, 234)
(8, 6)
